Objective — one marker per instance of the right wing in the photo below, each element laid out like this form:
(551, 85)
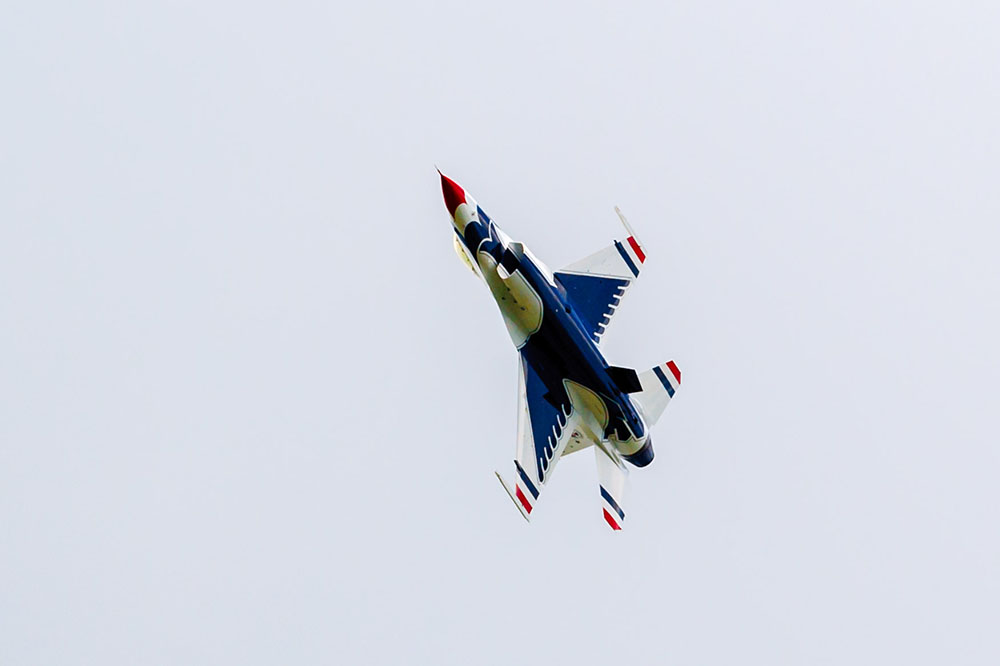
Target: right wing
(545, 426)
(596, 284)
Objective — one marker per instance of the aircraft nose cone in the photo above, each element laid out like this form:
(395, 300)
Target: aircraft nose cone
(454, 195)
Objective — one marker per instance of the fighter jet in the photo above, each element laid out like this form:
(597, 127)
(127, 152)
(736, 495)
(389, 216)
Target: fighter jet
(569, 396)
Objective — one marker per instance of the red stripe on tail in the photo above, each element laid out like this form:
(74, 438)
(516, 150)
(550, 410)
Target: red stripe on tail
(611, 521)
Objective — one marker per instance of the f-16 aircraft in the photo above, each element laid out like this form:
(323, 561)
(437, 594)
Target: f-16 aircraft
(569, 396)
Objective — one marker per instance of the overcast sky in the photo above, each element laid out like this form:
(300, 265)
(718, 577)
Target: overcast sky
(251, 402)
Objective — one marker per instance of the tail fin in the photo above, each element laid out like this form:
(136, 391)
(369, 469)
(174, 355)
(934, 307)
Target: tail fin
(658, 387)
(611, 477)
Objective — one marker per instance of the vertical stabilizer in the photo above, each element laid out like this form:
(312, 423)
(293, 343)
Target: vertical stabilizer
(612, 477)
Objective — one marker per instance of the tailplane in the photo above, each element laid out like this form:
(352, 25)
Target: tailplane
(658, 387)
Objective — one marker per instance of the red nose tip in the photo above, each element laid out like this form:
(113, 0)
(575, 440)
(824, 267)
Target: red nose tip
(454, 195)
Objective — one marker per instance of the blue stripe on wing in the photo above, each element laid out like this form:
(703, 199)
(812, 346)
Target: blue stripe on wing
(527, 482)
(593, 299)
(547, 420)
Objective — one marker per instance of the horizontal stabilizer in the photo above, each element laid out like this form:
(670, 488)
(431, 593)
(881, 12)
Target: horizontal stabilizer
(658, 387)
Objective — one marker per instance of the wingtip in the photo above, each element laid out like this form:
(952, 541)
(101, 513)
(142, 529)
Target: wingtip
(621, 216)
(513, 498)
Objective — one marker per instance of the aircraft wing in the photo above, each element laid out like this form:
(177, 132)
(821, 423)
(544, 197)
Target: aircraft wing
(596, 284)
(545, 426)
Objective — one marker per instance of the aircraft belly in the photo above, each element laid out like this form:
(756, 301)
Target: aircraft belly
(519, 303)
(590, 407)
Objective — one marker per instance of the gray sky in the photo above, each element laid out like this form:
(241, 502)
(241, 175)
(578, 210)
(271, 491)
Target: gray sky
(251, 402)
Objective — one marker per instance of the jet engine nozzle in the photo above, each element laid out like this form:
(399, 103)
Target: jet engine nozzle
(643, 456)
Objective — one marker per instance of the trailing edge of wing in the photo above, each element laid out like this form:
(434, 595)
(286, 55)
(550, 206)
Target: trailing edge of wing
(595, 284)
(593, 298)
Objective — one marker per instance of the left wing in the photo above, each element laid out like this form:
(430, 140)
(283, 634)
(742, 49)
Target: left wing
(545, 426)
(596, 284)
